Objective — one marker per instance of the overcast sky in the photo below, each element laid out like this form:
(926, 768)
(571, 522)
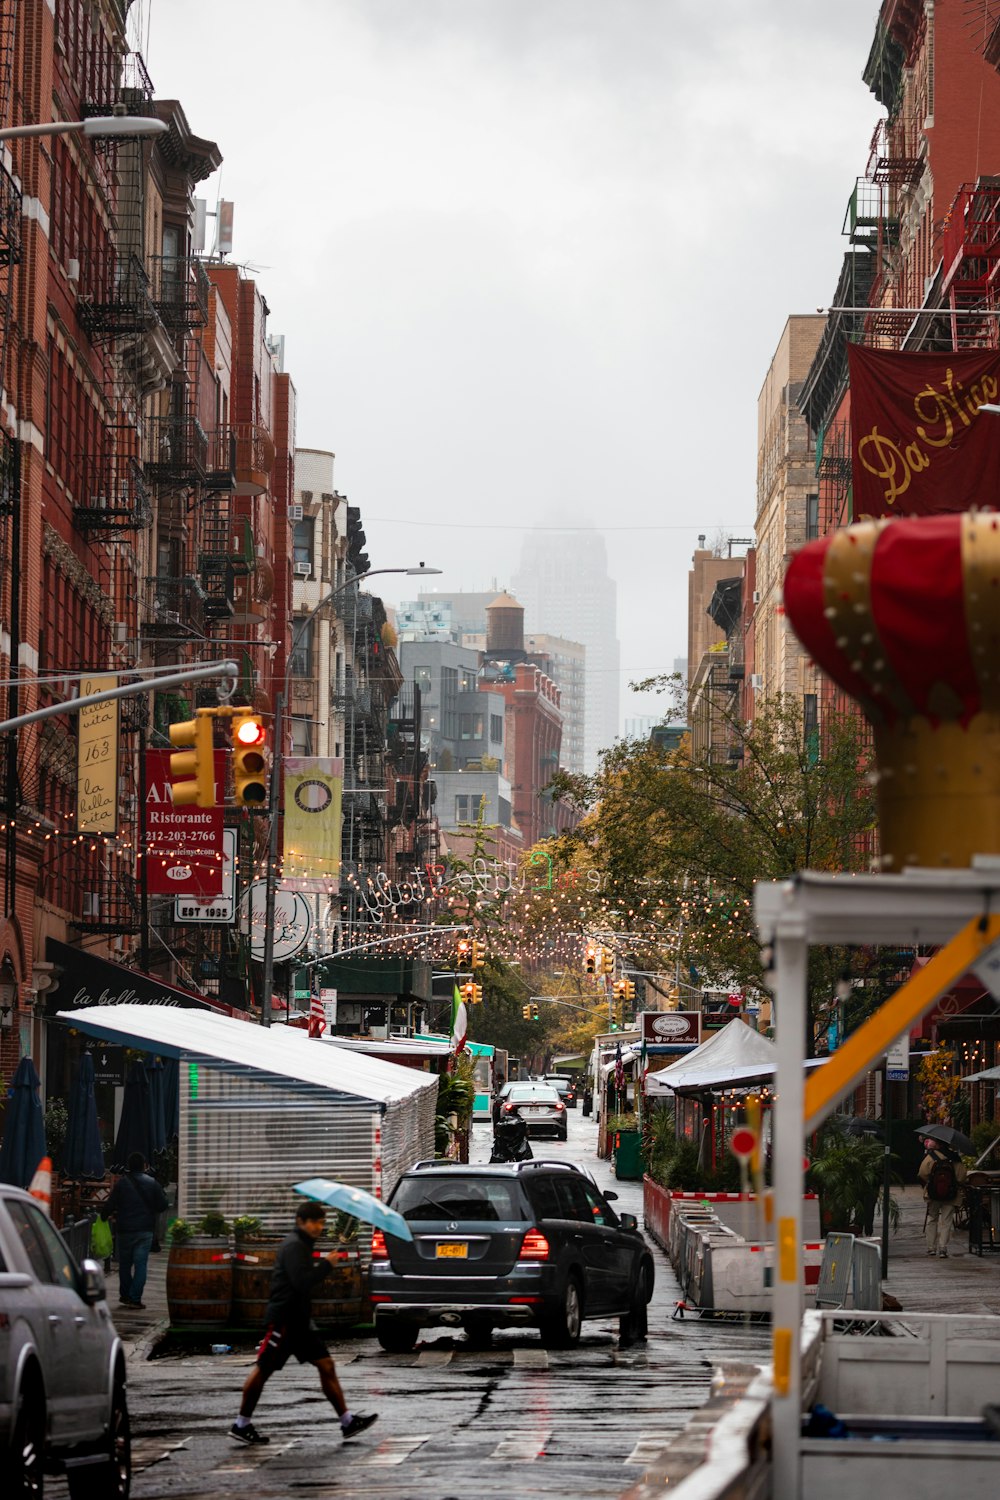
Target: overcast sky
(532, 258)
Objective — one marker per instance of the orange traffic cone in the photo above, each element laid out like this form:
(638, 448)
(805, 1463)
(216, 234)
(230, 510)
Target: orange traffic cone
(41, 1184)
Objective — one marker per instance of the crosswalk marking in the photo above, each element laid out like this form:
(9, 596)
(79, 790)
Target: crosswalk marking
(648, 1446)
(395, 1450)
(252, 1458)
(531, 1359)
(434, 1357)
(523, 1449)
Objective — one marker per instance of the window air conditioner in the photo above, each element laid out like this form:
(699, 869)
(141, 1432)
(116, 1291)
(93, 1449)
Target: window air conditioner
(303, 569)
(756, 596)
(295, 512)
(756, 682)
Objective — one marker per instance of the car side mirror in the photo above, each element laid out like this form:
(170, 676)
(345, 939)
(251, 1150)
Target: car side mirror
(628, 1221)
(611, 1197)
(93, 1289)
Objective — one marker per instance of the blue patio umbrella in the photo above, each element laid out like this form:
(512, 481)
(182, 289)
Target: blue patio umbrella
(357, 1202)
(133, 1127)
(23, 1143)
(157, 1125)
(83, 1155)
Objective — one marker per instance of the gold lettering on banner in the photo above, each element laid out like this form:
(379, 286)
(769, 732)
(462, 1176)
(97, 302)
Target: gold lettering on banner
(97, 760)
(941, 417)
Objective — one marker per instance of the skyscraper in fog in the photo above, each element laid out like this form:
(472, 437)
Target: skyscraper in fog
(564, 586)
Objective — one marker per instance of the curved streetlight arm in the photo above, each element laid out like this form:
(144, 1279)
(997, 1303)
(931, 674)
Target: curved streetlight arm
(271, 879)
(132, 125)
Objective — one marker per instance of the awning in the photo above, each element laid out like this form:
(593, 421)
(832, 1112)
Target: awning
(279, 1051)
(734, 1057)
(85, 980)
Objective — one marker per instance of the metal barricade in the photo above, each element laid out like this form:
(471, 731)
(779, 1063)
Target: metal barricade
(867, 1294)
(76, 1233)
(835, 1271)
(984, 1219)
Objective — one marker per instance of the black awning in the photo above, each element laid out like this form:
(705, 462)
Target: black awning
(82, 980)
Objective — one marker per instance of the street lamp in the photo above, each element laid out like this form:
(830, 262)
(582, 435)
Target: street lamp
(270, 877)
(131, 125)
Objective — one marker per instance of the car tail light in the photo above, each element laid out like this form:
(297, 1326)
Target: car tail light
(534, 1246)
(508, 1109)
(560, 1105)
(379, 1252)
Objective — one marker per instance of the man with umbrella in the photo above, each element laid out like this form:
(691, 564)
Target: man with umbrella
(942, 1173)
(290, 1329)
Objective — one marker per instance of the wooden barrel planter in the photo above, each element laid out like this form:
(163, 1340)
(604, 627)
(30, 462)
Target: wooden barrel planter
(200, 1283)
(335, 1304)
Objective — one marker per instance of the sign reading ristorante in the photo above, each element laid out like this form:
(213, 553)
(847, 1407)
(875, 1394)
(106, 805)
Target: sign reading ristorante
(183, 845)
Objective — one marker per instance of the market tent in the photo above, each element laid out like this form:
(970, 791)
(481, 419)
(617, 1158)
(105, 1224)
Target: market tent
(731, 1057)
(263, 1107)
(988, 1075)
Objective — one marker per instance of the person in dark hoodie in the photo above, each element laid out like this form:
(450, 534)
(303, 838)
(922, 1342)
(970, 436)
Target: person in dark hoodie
(136, 1200)
(291, 1331)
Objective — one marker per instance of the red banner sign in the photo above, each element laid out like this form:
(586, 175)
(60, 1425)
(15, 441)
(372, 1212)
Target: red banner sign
(184, 847)
(919, 443)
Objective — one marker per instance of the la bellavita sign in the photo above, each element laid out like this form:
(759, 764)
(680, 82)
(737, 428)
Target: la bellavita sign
(183, 846)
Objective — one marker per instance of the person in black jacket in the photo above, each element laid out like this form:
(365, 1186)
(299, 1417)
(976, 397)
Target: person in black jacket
(290, 1329)
(135, 1201)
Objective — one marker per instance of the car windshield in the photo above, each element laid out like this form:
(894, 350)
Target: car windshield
(426, 1198)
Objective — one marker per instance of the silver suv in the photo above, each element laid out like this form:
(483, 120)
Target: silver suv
(62, 1365)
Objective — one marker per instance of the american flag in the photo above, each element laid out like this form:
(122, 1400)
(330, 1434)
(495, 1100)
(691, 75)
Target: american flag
(317, 1017)
(619, 1069)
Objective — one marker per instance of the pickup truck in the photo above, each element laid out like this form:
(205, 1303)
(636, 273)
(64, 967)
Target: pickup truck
(63, 1407)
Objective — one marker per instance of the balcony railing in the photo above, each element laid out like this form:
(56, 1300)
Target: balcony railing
(113, 496)
(10, 219)
(174, 607)
(254, 458)
(10, 472)
(113, 297)
(179, 291)
(177, 451)
(220, 460)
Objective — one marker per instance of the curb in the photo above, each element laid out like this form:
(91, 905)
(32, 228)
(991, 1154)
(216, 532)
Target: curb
(142, 1348)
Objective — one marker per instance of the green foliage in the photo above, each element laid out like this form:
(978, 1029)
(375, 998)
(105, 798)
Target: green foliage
(179, 1232)
(982, 1136)
(56, 1126)
(248, 1227)
(682, 1169)
(214, 1225)
(457, 1090)
(847, 1172)
(342, 1227)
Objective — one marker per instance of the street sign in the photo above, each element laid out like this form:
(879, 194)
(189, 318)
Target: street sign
(218, 908)
(897, 1060)
(109, 1064)
(743, 1142)
(328, 1000)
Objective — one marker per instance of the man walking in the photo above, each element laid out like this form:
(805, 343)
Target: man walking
(135, 1201)
(291, 1331)
(942, 1174)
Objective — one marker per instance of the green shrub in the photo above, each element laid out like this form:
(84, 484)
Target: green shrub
(248, 1227)
(982, 1136)
(214, 1225)
(683, 1172)
(179, 1232)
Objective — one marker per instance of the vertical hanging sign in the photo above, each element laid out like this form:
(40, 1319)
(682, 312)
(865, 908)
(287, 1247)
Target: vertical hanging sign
(97, 760)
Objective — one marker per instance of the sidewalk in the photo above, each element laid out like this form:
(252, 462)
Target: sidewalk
(963, 1283)
(139, 1328)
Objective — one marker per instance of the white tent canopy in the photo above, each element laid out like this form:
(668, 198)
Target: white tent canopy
(732, 1056)
(281, 1051)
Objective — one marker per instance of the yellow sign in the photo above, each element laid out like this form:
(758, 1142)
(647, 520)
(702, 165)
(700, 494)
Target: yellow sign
(313, 794)
(97, 760)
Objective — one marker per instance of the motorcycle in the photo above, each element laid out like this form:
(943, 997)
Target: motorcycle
(510, 1141)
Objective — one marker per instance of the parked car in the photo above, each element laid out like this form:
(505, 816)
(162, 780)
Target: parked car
(526, 1243)
(565, 1087)
(63, 1405)
(538, 1105)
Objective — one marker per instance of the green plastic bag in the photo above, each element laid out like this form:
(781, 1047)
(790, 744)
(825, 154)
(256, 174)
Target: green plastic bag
(101, 1239)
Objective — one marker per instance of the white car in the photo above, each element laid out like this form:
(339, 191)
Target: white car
(63, 1406)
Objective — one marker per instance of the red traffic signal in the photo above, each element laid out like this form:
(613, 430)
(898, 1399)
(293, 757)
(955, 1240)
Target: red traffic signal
(249, 735)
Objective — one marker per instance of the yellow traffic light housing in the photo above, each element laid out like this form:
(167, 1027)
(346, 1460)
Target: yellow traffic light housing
(628, 992)
(477, 953)
(469, 992)
(249, 760)
(526, 1012)
(534, 1012)
(607, 961)
(192, 768)
(477, 994)
(590, 961)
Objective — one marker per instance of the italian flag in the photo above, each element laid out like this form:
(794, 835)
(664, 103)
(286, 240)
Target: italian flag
(459, 1022)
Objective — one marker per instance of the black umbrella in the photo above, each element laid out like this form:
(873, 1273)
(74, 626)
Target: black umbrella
(157, 1127)
(171, 1082)
(83, 1155)
(948, 1136)
(861, 1125)
(23, 1143)
(133, 1127)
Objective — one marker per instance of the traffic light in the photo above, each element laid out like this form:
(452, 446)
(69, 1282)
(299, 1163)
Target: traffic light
(590, 961)
(477, 994)
(249, 761)
(477, 953)
(607, 961)
(526, 1012)
(629, 991)
(194, 763)
(534, 1012)
(469, 992)
(463, 951)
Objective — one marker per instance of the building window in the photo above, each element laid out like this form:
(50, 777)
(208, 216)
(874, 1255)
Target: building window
(461, 809)
(302, 544)
(812, 517)
(471, 726)
(496, 729)
(810, 727)
(449, 703)
(300, 662)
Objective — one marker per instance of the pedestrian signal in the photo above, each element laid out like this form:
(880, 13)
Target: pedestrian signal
(192, 769)
(249, 760)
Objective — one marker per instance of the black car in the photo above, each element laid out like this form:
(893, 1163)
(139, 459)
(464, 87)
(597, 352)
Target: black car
(564, 1086)
(526, 1243)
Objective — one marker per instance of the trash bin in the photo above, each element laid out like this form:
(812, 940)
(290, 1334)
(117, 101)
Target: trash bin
(628, 1154)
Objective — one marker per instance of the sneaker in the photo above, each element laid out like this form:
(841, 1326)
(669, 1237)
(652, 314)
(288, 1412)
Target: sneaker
(247, 1434)
(932, 1252)
(358, 1424)
(942, 1255)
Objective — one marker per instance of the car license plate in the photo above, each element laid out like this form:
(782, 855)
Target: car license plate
(452, 1251)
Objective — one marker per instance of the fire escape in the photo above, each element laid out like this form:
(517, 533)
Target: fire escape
(10, 466)
(895, 166)
(971, 264)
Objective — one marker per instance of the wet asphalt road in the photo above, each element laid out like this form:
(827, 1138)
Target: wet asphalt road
(515, 1420)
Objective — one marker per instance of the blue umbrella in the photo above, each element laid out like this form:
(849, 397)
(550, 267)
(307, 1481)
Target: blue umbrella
(133, 1127)
(83, 1155)
(357, 1202)
(23, 1127)
(157, 1124)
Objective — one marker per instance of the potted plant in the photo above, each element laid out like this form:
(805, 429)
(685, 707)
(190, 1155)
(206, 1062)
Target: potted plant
(337, 1301)
(200, 1272)
(848, 1172)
